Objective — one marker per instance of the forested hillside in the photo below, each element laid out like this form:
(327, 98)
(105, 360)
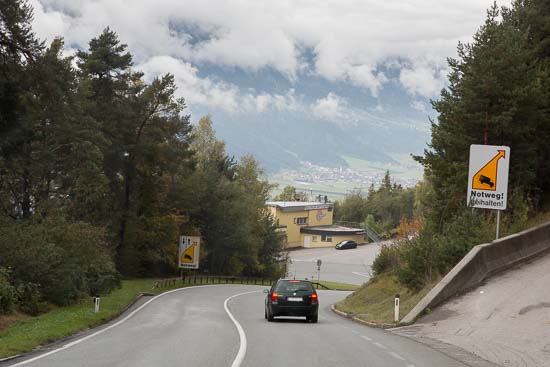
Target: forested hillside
(498, 94)
(100, 172)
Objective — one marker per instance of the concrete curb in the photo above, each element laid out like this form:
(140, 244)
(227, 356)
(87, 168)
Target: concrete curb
(358, 320)
(482, 262)
(78, 333)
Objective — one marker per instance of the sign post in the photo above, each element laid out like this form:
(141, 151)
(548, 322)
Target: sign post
(319, 262)
(189, 252)
(488, 178)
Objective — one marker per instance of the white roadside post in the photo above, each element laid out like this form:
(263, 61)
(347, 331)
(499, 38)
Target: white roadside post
(97, 299)
(396, 310)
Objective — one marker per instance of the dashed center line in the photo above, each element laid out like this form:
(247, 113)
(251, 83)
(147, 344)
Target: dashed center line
(381, 346)
(366, 338)
(397, 356)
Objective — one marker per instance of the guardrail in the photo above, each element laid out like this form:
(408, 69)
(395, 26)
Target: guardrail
(220, 279)
(317, 285)
(483, 261)
(211, 279)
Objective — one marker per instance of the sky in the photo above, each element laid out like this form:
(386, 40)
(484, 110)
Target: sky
(340, 62)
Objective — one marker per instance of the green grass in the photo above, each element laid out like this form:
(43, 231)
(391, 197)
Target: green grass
(60, 322)
(339, 286)
(374, 301)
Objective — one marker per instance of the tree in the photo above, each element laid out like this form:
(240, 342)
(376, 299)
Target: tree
(352, 209)
(239, 236)
(495, 96)
(290, 193)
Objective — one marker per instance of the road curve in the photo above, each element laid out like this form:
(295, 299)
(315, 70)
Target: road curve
(191, 327)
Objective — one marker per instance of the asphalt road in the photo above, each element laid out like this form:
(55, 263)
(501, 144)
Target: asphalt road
(191, 327)
(346, 266)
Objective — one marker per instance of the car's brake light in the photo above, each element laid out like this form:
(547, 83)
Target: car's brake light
(274, 297)
(295, 281)
(314, 298)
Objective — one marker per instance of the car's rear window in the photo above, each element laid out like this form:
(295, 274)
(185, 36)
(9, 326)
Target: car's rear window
(293, 286)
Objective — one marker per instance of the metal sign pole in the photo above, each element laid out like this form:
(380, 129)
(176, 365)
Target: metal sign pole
(319, 262)
(498, 224)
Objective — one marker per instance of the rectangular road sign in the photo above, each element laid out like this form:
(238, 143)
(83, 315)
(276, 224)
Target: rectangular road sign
(189, 251)
(488, 176)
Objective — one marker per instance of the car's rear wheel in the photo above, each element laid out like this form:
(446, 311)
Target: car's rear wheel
(313, 319)
(269, 316)
(265, 313)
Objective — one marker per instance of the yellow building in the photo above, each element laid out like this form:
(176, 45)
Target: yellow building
(309, 224)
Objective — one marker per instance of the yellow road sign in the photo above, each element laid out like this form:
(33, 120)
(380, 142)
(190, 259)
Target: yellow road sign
(486, 177)
(188, 255)
(189, 251)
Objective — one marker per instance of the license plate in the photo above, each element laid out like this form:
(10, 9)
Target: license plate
(294, 299)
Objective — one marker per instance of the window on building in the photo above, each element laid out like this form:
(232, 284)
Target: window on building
(314, 238)
(329, 208)
(326, 238)
(300, 220)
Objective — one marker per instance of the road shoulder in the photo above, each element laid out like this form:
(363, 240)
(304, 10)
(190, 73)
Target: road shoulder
(41, 349)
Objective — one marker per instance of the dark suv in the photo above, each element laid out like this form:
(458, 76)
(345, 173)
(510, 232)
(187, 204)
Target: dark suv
(292, 297)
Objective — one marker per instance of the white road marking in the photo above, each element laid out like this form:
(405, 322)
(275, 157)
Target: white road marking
(411, 365)
(366, 338)
(78, 341)
(381, 346)
(395, 355)
(242, 336)
(361, 274)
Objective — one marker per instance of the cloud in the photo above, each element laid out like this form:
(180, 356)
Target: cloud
(49, 24)
(212, 93)
(422, 80)
(418, 105)
(337, 109)
(332, 107)
(351, 41)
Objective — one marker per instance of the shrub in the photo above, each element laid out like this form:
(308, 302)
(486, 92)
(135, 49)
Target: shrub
(102, 278)
(55, 261)
(468, 229)
(420, 261)
(7, 293)
(387, 259)
(427, 256)
(30, 299)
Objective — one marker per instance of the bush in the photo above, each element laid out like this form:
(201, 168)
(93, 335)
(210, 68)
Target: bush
(30, 299)
(102, 278)
(387, 259)
(7, 294)
(55, 261)
(467, 230)
(420, 261)
(424, 258)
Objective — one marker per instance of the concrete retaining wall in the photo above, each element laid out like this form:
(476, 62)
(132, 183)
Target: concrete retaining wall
(483, 261)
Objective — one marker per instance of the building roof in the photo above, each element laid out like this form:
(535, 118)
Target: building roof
(331, 229)
(299, 205)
